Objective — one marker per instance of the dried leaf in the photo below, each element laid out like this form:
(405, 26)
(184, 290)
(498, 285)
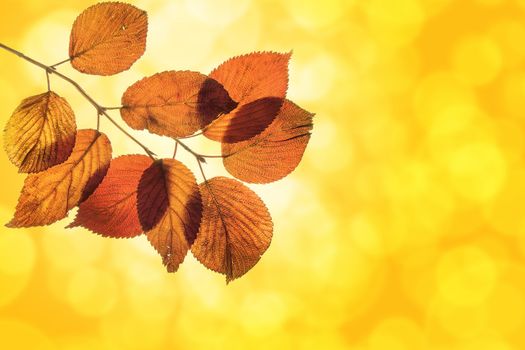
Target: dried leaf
(107, 38)
(275, 152)
(47, 196)
(170, 209)
(236, 228)
(258, 82)
(174, 103)
(40, 133)
(112, 209)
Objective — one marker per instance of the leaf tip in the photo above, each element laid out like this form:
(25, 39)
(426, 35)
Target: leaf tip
(72, 225)
(171, 266)
(14, 223)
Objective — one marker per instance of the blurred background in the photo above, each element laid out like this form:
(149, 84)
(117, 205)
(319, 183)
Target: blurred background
(402, 228)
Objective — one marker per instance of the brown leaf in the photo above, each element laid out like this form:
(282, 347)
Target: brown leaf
(107, 38)
(170, 209)
(236, 228)
(47, 196)
(275, 152)
(40, 133)
(258, 82)
(112, 209)
(174, 103)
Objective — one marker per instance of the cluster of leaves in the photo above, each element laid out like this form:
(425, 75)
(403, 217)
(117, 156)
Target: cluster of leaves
(242, 104)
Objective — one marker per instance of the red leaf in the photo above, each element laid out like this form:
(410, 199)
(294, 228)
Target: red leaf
(258, 82)
(275, 152)
(170, 209)
(112, 209)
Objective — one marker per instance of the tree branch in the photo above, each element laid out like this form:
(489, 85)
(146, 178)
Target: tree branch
(100, 110)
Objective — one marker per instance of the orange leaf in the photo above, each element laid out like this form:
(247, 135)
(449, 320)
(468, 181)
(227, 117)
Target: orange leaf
(275, 152)
(47, 196)
(40, 133)
(170, 209)
(236, 228)
(112, 209)
(174, 103)
(258, 82)
(107, 38)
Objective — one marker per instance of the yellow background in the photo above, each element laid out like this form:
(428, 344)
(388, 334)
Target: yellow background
(403, 227)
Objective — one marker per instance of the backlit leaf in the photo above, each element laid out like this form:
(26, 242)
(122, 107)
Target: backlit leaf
(275, 152)
(47, 196)
(40, 133)
(112, 209)
(236, 228)
(170, 209)
(258, 82)
(174, 103)
(107, 38)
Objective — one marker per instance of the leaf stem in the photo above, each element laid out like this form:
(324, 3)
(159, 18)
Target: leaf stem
(175, 150)
(98, 121)
(211, 156)
(101, 110)
(190, 136)
(48, 82)
(61, 62)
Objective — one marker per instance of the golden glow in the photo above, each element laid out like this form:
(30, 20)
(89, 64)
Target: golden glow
(477, 60)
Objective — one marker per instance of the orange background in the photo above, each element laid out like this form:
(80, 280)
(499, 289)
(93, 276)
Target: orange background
(402, 228)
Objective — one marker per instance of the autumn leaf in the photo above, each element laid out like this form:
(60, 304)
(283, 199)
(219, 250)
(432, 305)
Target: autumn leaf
(258, 82)
(40, 133)
(275, 152)
(170, 209)
(47, 196)
(174, 103)
(112, 209)
(107, 38)
(235, 230)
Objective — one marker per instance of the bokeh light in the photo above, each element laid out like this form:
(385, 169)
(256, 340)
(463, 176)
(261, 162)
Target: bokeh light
(402, 228)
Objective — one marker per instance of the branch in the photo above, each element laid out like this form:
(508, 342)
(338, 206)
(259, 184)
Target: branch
(200, 158)
(100, 110)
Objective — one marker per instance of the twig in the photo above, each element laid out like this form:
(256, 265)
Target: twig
(200, 158)
(100, 109)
